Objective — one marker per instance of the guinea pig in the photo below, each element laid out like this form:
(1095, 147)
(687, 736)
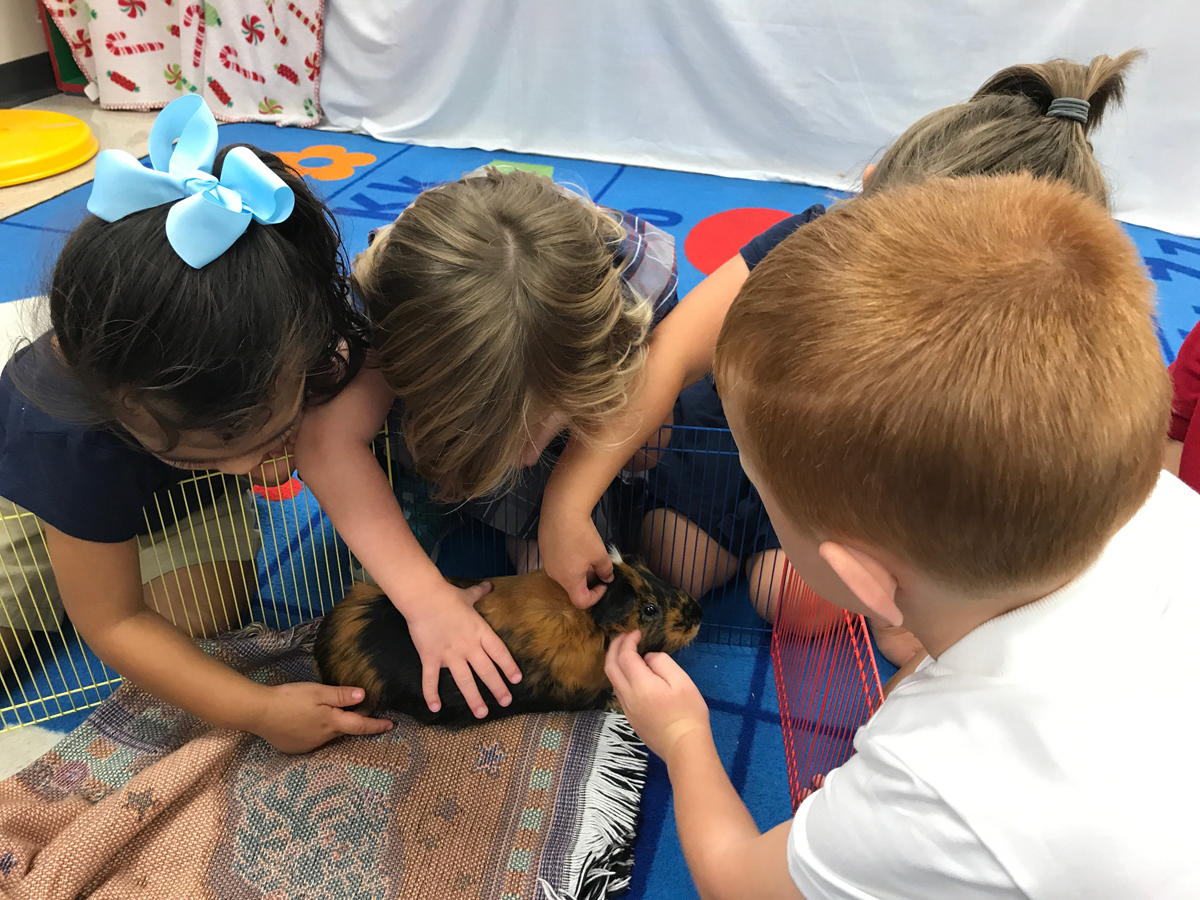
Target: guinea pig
(364, 642)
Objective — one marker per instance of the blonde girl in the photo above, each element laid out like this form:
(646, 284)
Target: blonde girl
(510, 316)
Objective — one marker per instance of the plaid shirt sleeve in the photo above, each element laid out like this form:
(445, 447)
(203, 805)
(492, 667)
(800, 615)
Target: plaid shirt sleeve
(649, 267)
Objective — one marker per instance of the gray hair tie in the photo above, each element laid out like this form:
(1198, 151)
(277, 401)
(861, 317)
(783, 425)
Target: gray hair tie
(1070, 108)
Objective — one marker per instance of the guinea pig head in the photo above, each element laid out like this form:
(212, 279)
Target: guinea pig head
(637, 599)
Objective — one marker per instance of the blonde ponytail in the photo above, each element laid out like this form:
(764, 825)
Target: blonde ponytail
(1004, 128)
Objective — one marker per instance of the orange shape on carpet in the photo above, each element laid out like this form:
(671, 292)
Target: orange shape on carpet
(325, 162)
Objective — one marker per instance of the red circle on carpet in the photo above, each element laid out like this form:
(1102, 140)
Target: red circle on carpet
(717, 239)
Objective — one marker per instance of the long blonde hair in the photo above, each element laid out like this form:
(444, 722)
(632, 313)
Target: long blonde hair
(1004, 129)
(495, 299)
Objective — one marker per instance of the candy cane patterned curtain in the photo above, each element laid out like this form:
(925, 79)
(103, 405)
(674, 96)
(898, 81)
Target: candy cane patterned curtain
(251, 60)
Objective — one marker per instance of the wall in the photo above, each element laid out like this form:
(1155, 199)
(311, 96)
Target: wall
(20, 30)
(756, 88)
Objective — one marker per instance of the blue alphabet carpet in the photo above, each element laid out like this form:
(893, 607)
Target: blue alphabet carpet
(367, 183)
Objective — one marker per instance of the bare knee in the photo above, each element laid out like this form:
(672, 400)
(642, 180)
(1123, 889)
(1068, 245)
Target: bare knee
(679, 551)
(523, 554)
(204, 599)
(799, 609)
(765, 574)
(12, 647)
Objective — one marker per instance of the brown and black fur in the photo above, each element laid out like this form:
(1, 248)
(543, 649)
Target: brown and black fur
(364, 642)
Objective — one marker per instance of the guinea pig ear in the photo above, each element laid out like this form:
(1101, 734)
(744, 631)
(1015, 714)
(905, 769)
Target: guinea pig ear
(618, 601)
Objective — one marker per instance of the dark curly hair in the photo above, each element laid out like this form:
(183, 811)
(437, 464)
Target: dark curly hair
(203, 349)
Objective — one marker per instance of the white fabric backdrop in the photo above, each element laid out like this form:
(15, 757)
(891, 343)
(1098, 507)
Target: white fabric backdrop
(776, 90)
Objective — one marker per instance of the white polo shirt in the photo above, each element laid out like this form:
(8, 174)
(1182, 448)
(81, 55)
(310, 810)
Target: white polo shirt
(1050, 753)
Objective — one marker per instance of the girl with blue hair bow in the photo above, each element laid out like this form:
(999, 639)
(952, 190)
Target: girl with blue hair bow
(196, 314)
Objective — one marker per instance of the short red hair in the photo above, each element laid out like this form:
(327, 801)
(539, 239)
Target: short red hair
(962, 372)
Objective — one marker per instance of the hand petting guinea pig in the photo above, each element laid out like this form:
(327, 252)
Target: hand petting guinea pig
(364, 641)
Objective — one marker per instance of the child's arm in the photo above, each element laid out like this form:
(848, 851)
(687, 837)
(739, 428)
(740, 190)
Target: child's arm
(681, 353)
(726, 854)
(102, 592)
(334, 458)
(1172, 456)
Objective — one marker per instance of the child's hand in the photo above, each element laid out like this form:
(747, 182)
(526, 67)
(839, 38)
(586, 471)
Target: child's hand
(572, 554)
(452, 635)
(302, 716)
(660, 701)
(818, 782)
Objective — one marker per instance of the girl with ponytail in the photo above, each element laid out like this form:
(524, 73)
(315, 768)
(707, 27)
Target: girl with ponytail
(1025, 118)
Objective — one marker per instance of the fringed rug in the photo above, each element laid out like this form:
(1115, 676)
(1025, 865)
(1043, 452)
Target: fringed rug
(146, 801)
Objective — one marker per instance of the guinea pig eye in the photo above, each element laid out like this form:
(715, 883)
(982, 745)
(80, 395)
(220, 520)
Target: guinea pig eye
(649, 611)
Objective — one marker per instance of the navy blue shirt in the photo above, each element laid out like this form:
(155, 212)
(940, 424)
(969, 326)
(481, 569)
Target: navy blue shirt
(88, 481)
(698, 404)
(754, 252)
(700, 475)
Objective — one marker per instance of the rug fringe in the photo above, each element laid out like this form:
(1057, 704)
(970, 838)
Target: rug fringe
(600, 863)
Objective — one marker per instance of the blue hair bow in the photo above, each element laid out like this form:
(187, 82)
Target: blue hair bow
(210, 213)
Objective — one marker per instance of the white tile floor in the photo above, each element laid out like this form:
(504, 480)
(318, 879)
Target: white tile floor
(20, 319)
(21, 746)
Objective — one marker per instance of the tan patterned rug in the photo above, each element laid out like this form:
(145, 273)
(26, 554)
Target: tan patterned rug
(146, 801)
